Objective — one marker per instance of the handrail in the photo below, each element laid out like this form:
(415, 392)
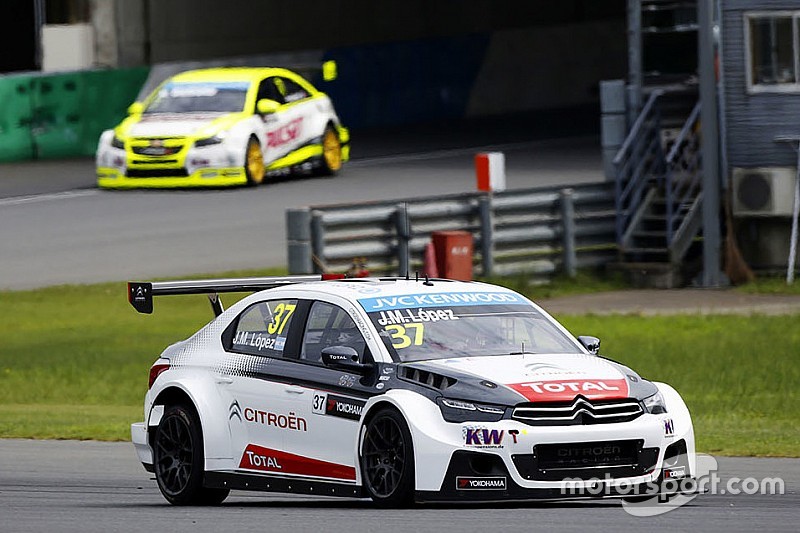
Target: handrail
(639, 161)
(637, 125)
(684, 157)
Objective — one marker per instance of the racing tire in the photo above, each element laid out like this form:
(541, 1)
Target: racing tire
(331, 160)
(178, 459)
(387, 460)
(254, 167)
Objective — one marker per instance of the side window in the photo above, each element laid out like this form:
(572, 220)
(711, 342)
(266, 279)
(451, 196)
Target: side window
(329, 325)
(262, 328)
(293, 91)
(268, 90)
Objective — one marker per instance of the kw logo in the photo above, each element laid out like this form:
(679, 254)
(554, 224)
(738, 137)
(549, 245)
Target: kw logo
(483, 437)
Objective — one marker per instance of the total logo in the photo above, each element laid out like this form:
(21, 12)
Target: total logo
(480, 483)
(262, 462)
(537, 391)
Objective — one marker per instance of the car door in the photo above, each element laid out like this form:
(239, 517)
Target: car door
(260, 413)
(284, 129)
(332, 400)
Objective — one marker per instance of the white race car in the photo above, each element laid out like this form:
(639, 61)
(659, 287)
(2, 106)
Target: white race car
(400, 390)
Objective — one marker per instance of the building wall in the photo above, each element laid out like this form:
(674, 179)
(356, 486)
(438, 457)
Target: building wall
(754, 120)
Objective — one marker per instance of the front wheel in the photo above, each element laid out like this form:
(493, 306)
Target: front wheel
(254, 167)
(178, 458)
(387, 460)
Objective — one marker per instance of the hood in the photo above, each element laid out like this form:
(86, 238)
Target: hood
(179, 125)
(543, 377)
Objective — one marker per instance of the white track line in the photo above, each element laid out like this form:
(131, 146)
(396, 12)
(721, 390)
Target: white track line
(35, 198)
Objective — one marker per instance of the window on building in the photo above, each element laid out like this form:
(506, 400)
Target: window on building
(772, 42)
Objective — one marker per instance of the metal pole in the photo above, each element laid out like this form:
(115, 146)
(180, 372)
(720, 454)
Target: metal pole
(403, 238)
(298, 241)
(795, 212)
(318, 242)
(568, 232)
(487, 234)
(710, 144)
(634, 59)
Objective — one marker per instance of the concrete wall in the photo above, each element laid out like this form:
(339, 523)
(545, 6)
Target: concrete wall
(182, 30)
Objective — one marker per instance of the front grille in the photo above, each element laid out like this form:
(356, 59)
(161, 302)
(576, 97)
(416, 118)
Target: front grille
(156, 173)
(156, 151)
(579, 411)
(586, 460)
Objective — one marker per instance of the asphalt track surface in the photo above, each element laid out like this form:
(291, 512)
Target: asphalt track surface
(100, 487)
(56, 227)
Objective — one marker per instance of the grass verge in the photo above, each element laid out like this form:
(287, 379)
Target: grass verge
(74, 363)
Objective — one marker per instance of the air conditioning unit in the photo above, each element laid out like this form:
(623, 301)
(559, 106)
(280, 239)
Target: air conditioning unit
(763, 191)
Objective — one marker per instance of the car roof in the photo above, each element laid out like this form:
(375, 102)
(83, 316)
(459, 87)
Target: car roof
(361, 288)
(231, 74)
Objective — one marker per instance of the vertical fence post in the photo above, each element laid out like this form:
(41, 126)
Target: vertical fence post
(317, 242)
(298, 240)
(487, 234)
(403, 238)
(568, 232)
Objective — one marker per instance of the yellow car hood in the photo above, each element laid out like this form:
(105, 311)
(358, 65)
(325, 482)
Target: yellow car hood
(196, 125)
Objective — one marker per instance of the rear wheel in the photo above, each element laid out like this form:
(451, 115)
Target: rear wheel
(331, 152)
(254, 167)
(387, 460)
(178, 457)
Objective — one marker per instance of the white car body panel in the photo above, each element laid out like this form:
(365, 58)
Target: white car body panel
(235, 408)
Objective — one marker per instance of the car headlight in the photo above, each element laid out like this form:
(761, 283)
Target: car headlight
(461, 411)
(116, 142)
(655, 404)
(208, 141)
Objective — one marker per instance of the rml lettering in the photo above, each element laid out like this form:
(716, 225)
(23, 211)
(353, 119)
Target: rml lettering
(542, 387)
(284, 134)
(485, 437)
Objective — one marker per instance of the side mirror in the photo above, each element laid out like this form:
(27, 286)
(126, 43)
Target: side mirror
(343, 358)
(135, 108)
(265, 106)
(590, 343)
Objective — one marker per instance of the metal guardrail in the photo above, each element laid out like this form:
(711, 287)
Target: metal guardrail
(530, 231)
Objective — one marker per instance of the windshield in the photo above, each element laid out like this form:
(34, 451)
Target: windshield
(205, 97)
(442, 328)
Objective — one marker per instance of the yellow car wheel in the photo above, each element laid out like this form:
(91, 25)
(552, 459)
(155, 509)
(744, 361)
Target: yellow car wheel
(331, 152)
(254, 163)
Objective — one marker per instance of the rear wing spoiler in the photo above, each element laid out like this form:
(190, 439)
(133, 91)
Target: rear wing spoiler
(141, 293)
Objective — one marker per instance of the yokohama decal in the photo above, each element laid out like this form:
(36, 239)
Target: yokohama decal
(275, 461)
(568, 389)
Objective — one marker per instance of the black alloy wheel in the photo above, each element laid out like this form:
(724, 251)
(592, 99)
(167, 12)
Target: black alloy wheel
(387, 460)
(178, 458)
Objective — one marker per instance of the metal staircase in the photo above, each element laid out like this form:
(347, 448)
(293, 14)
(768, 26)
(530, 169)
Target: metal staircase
(658, 196)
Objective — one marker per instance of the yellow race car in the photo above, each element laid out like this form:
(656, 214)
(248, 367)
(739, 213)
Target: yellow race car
(222, 127)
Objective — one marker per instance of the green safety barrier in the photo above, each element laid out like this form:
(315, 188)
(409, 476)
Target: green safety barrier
(62, 115)
(16, 139)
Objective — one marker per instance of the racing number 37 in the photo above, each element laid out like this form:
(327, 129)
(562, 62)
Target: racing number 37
(280, 318)
(400, 334)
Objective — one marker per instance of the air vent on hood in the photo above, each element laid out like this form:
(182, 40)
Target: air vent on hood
(424, 377)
